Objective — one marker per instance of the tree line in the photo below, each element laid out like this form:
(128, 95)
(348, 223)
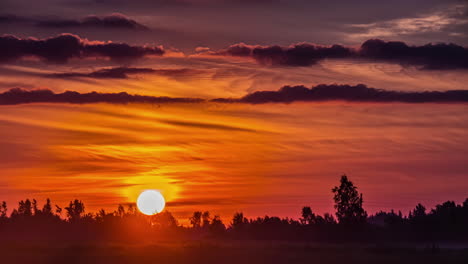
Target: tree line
(350, 222)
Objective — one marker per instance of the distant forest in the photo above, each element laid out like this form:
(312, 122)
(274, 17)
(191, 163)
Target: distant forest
(350, 223)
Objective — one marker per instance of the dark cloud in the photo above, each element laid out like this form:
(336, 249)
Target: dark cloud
(287, 94)
(112, 21)
(358, 93)
(67, 46)
(20, 96)
(431, 56)
(111, 73)
(303, 54)
(124, 72)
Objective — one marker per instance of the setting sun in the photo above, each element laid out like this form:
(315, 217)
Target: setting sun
(150, 202)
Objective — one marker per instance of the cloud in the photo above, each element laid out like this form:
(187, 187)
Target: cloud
(287, 94)
(111, 73)
(438, 56)
(450, 20)
(115, 20)
(302, 54)
(64, 47)
(358, 93)
(21, 96)
(124, 72)
(430, 56)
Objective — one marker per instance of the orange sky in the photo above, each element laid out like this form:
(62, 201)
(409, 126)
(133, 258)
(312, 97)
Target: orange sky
(260, 159)
(227, 157)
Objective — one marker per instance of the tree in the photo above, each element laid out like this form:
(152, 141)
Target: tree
(36, 211)
(121, 211)
(195, 220)
(329, 219)
(24, 209)
(164, 220)
(75, 210)
(3, 210)
(47, 208)
(348, 203)
(217, 225)
(238, 220)
(308, 216)
(206, 219)
(58, 210)
(419, 211)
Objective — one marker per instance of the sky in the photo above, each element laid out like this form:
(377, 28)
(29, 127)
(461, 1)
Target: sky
(234, 105)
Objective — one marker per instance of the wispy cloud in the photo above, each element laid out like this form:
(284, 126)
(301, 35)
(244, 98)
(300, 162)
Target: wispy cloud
(437, 21)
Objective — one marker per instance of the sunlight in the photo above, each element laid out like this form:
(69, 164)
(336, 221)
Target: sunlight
(150, 202)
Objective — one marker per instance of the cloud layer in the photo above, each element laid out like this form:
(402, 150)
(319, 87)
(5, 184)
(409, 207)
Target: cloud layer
(21, 96)
(287, 94)
(357, 93)
(60, 49)
(64, 47)
(303, 54)
(431, 56)
(124, 72)
(439, 56)
(110, 73)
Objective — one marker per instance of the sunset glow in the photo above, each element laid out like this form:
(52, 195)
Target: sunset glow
(253, 114)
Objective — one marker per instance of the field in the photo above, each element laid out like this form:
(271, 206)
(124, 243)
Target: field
(233, 252)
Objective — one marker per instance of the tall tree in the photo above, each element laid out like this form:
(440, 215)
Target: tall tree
(75, 210)
(195, 220)
(308, 216)
(47, 208)
(348, 203)
(206, 218)
(3, 210)
(238, 220)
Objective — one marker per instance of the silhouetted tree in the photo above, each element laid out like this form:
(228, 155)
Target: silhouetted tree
(195, 220)
(238, 220)
(24, 209)
(308, 217)
(47, 208)
(217, 225)
(164, 220)
(120, 211)
(131, 210)
(348, 203)
(206, 218)
(75, 210)
(329, 219)
(3, 210)
(35, 210)
(419, 211)
(58, 210)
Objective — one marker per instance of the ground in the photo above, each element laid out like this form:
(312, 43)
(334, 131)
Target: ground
(232, 252)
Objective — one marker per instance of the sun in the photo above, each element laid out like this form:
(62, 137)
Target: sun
(150, 202)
